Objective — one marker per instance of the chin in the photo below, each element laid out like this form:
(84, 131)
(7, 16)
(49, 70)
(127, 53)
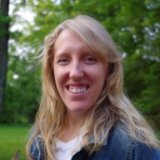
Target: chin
(80, 109)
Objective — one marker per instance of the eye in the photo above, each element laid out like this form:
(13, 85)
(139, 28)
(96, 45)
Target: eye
(63, 61)
(90, 59)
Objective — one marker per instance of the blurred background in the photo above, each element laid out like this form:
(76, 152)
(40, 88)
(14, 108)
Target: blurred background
(134, 26)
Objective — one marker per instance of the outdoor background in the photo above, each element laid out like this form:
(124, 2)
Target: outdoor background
(133, 24)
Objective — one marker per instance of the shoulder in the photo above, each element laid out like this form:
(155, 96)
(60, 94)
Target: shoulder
(123, 145)
(143, 152)
(119, 144)
(37, 149)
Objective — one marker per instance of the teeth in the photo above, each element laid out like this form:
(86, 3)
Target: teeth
(75, 89)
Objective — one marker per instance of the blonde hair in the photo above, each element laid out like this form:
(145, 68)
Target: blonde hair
(112, 107)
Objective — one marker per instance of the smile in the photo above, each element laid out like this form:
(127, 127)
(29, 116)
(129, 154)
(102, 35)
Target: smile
(78, 89)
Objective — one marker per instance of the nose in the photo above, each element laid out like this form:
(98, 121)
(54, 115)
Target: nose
(76, 71)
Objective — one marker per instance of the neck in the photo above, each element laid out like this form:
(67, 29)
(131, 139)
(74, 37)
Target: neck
(71, 127)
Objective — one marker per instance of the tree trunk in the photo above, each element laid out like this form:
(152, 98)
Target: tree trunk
(4, 37)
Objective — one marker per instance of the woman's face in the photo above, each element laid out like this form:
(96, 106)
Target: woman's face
(79, 74)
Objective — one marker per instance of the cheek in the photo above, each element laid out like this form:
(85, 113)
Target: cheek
(56, 76)
(60, 78)
(102, 73)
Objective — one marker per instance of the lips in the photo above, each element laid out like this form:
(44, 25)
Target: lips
(77, 89)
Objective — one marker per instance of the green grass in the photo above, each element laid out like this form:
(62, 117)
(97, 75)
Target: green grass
(13, 139)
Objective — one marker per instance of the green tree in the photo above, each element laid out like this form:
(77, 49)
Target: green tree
(4, 37)
(133, 24)
(22, 91)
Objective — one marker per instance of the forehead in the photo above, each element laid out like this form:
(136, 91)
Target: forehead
(68, 39)
(66, 33)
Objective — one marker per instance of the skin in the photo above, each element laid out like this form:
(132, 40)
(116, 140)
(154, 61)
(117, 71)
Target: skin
(79, 75)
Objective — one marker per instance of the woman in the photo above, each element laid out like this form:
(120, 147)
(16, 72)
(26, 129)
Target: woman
(84, 113)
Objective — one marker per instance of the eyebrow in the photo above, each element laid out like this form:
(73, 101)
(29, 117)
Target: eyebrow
(60, 55)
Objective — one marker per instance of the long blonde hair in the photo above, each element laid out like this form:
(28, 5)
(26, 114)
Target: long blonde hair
(112, 107)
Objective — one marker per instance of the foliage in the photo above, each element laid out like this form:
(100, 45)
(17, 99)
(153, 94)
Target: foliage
(22, 92)
(133, 24)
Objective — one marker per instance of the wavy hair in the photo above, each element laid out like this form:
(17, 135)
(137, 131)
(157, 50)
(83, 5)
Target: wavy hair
(112, 106)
